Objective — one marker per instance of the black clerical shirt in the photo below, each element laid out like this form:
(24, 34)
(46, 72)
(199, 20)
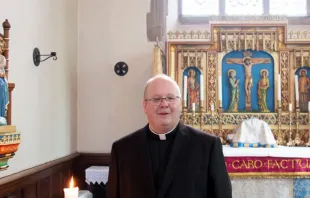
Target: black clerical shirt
(160, 150)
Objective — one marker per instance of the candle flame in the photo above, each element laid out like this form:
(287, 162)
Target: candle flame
(71, 182)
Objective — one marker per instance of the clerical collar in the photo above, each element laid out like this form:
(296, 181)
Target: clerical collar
(164, 136)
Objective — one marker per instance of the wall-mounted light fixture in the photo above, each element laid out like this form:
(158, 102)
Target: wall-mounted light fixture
(37, 56)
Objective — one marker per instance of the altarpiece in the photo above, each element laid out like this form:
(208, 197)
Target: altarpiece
(244, 71)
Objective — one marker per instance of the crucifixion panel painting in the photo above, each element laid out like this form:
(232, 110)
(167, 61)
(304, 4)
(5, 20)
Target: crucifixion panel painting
(248, 82)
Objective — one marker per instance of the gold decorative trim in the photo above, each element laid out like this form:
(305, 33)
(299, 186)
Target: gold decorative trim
(211, 79)
(262, 175)
(298, 35)
(284, 72)
(293, 35)
(189, 35)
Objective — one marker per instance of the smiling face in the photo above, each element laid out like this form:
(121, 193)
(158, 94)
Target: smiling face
(165, 115)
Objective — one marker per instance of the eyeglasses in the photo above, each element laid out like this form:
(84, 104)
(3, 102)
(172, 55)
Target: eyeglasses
(158, 100)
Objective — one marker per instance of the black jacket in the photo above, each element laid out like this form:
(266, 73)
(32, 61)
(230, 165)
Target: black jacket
(196, 168)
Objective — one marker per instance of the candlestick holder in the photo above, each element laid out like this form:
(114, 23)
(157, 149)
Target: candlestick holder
(298, 140)
(220, 113)
(290, 142)
(212, 113)
(185, 106)
(201, 113)
(308, 144)
(280, 138)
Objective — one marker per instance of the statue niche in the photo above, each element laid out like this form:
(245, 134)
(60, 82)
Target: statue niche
(192, 88)
(254, 93)
(303, 88)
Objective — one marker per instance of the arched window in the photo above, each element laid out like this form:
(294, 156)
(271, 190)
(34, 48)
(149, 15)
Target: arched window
(288, 7)
(206, 8)
(244, 7)
(200, 7)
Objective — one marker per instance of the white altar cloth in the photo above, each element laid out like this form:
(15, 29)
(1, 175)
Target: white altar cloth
(253, 133)
(281, 151)
(85, 194)
(97, 174)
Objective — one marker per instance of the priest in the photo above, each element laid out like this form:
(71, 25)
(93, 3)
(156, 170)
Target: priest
(167, 159)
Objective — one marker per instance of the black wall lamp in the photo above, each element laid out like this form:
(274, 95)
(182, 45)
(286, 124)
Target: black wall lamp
(37, 56)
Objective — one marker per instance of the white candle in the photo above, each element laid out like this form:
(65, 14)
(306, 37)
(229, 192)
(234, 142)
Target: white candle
(290, 107)
(72, 192)
(212, 107)
(309, 106)
(185, 89)
(193, 107)
(220, 89)
(201, 87)
(279, 87)
(296, 88)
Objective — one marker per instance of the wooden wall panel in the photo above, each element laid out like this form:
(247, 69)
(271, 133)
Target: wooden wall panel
(48, 182)
(44, 188)
(56, 187)
(30, 191)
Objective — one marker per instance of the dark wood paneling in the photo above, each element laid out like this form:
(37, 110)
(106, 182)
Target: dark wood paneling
(85, 160)
(30, 191)
(50, 182)
(56, 187)
(47, 183)
(44, 188)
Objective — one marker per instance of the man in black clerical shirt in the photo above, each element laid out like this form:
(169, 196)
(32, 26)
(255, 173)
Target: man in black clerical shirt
(165, 158)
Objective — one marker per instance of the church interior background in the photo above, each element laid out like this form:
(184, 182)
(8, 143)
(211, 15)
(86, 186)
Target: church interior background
(244, 74)
(243, 68)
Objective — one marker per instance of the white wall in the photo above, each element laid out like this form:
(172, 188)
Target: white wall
(110, 106)
(44, 99)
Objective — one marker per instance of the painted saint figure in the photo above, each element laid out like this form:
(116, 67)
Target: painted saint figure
(304, 85)
(4, 90)
(192, 88)
(234, 91)
(263, 85)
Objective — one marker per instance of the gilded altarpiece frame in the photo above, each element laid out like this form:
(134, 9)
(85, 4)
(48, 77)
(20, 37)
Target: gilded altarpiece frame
(289, 126)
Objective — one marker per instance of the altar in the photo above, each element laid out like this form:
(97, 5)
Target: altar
(269, 172)
(240, 72)
(282, 172)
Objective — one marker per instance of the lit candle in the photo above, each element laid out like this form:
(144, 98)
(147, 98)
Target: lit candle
(201, 87)
(296, 88)
(309, 106)
(279, 87)
(193, 107)
(185, 88)
(220, 89)
(72, 192)
(290, 107)
(212, 107)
